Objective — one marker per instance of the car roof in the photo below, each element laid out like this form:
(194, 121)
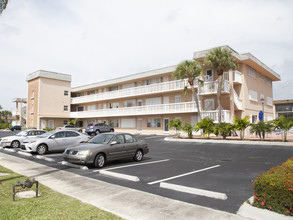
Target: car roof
(117, 133)
(33, 130)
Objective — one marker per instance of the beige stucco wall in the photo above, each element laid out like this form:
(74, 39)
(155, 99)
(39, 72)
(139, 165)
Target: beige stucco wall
(32, 103)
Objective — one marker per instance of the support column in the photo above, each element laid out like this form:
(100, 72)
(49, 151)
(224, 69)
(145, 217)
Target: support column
(231, 96)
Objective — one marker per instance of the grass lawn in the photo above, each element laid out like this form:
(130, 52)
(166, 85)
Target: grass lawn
(51, 205)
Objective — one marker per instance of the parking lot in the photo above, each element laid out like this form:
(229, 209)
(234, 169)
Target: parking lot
(214, 175)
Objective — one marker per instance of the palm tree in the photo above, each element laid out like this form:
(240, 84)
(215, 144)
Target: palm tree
(261, 128)
(177, 124)
(190, 69)
(221, 60)
(284, 124)
(207, 125)
(3, 4)
(6, 114)
(241, 124)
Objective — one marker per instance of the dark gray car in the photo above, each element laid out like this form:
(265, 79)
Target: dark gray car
(96, 128)
(105, 147)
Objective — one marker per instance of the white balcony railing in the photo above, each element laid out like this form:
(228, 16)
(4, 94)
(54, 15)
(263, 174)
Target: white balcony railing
(225, 115)
(182, 107)
(212, 87)
(134, 91)
(236, 76)
(15, 112)
(237, 100)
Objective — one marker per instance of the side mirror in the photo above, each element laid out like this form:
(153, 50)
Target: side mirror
(52, 137)
(114, 142)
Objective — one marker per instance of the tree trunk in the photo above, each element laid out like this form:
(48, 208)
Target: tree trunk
(220, 80)
(196, 101)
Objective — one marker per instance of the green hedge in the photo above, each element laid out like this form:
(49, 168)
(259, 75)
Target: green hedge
(273, 190)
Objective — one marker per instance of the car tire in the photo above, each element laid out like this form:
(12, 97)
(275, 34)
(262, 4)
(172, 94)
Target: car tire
(100, 161)
(42, 149)
(138, 155)
(15, 144)
(112, 130)
(97, 132)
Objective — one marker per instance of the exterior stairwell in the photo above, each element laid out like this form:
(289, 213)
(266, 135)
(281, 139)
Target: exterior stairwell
(237, 100)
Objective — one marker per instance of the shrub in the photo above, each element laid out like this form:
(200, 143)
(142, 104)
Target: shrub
(177, 124)
(206, 124)
(273, 190)
(241, 124)
(224, 129)
(188, 128)
(5, 125)
(48, 129)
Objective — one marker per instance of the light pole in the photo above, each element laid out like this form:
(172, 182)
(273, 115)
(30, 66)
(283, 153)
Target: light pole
(262, 103)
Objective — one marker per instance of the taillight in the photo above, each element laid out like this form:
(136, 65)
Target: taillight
(93, 126)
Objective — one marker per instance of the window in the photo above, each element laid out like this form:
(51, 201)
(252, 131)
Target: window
(129, 103)
(65, 92)
(129, 85)
(177, 99)
(154, 122)
(269, 101)
(114, 123)
(113, 88)
(209, 75)
(91, 107)
(128, 123)
(260, 76)
(33, 95)
(153, 101)
(253, 119)
(65, 122)
(114, 105)
(59, 134)
(253, 95)
(153, 81)
(209, 104)
(80, 108)
(251, 72)
(139, 102)
(71, 134)
(119, 139)
(129, 138)
(51, 124)
(65, 107)
(268, 82)
(91, 92)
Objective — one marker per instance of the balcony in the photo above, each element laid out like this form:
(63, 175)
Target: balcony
(134, 91)
(212, 87)
(183, 107)
(225, 115)
(237, 79)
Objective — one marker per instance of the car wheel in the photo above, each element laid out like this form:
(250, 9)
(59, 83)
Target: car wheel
(15, 144)
(100, 161)
(138, 155)
(97, 132)
(112, 130)
(42, 149)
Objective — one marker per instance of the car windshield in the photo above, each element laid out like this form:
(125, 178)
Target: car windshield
(22, 133)
(46, 134)
(101, 139)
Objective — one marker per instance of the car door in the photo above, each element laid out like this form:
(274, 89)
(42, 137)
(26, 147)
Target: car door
(117, 150)
(57, 141)
(131, 145)
(72, 138)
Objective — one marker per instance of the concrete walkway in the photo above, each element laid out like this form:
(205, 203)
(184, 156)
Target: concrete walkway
(124, 202)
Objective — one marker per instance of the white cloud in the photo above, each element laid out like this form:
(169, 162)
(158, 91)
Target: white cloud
(98, 40)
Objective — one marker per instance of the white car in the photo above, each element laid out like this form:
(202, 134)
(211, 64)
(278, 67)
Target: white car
(54, 141)
(17, 140)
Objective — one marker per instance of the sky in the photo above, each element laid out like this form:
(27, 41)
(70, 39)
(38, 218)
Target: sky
(95, 40)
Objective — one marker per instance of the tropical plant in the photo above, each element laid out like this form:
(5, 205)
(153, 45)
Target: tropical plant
(177, 124)
(206, 124)
(6, 114)
(74, 121)
(190, 70)
(284, 124)
(261, 128)
(224, 129)
(3, 4)
(221, 60)
(188, 129)
(241, 124)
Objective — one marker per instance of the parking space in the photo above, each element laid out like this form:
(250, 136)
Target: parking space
(213, 175)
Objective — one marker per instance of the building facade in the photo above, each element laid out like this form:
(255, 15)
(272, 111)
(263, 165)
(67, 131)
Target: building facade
(283, 107)
(146, 102)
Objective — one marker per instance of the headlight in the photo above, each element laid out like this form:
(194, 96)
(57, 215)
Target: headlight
(84, 152)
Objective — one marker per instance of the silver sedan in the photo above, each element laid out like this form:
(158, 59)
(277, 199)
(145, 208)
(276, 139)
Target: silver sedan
(54, 141)
(105, 147)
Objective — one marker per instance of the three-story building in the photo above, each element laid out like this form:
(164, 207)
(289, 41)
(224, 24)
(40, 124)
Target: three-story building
(146, 102)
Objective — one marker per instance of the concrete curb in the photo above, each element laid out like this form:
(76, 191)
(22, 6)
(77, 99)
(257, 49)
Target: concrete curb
(119, 175)
(249, 211)
(230, 141)
(74, 165)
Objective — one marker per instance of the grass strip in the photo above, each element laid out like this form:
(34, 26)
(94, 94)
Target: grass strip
(51, 204)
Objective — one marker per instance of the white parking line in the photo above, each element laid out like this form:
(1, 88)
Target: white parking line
(74, 165)
(195, 191)
(185, 174)
(121, 176)
(132, 165)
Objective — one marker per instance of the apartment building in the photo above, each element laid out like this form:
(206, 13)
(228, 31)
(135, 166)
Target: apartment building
(146, 102)
(283, 107)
